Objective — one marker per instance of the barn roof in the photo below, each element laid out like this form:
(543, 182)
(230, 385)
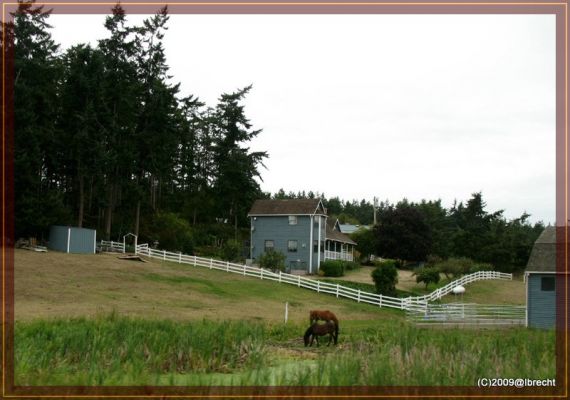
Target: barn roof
(286, 207)
(543, 255)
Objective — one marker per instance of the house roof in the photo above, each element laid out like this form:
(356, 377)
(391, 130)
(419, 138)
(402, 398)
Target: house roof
(543, 255)
(333, 234)
(286, 207)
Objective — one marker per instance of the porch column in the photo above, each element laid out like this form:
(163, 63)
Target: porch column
(319, 246)
(311, 245)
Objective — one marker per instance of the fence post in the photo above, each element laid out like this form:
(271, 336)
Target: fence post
(244, 270)
(211, 262)
(164, 254)
(299, 280)
(179, 257)
(261, 273)
(318, 287)
(337, 290)
(194, 260)
(279, 276)
(286, 311)
(227, 266)
(380, 300)
(359, 295)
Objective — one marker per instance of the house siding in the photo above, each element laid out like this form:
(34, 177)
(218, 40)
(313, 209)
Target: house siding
(541, 305)
(277, 228)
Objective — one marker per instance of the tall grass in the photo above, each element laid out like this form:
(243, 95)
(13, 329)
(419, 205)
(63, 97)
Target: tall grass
(114, 350)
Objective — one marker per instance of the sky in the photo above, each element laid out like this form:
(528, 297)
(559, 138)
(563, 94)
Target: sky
(393, 106)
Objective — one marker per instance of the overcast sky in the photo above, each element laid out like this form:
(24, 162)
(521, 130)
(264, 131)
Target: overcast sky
(393, 106)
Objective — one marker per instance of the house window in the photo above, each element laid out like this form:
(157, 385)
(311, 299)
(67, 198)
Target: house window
(269, 245)
(292, 246)
(292, 220)
(547, 284)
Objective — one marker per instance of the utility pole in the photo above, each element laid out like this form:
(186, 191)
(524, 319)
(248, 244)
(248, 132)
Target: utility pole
(375, 208)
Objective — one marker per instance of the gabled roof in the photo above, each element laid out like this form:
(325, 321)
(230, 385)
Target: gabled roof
(287, 207)
(333, 233)
(543, 255)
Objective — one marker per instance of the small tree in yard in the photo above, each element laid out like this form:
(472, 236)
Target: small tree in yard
(385, 277)
(427, 275)
(273, 260)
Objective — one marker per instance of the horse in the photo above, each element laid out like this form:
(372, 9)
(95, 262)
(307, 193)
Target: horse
(323, 315)
(316, 330)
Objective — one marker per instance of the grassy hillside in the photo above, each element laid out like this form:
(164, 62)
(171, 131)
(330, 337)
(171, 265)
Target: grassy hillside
(51, 285)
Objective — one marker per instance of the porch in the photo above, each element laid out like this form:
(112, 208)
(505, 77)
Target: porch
(335, 255)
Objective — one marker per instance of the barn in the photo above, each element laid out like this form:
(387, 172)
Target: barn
(540, 278)
(72, 239)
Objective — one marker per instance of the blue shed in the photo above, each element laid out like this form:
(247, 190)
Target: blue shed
(541, 280)
(72, 239)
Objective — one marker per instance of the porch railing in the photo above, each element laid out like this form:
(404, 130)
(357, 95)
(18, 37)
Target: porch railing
(335, 255)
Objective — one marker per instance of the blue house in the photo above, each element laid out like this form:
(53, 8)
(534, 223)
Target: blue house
(541, 277)
(299, 228)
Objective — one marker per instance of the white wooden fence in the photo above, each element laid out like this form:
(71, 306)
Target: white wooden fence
(113, 246)
(468, 314)
(313, 284)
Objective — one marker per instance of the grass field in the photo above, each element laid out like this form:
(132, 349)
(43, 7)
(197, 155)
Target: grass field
(483, 292)
(52, 285)
(97, 320)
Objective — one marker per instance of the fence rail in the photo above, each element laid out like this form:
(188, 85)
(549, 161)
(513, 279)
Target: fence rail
(468, 314)
(313, 284)
(113, 246)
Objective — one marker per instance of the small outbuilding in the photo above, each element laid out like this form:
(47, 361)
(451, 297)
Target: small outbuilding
(541, 279)
(72, 239)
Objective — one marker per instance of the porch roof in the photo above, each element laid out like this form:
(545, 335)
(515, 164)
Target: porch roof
(333, 234)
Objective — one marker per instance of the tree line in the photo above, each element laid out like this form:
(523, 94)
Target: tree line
(426, 230)
(104, 139)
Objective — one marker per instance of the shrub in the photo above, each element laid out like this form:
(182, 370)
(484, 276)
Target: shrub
(427, 275)
(333, 267)
(385, 277)
(387, 263)
(481, 267)
(350, 265)
(451, 268)
(171, 231)
(273, 260)
(231, 251)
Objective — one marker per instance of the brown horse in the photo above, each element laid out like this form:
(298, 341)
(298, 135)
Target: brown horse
(323, 315)
(316, 330)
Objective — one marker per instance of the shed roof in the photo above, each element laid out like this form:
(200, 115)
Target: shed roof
(286, 207)
(543, 255)
(333, 234)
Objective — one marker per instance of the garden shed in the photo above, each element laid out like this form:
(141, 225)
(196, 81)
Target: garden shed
(72, 239)
(541, 279)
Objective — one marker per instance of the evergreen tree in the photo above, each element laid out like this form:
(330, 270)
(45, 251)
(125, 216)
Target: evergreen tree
(38, 191)
(236, 167)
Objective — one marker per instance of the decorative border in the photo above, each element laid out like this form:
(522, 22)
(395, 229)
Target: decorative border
(559, 9)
